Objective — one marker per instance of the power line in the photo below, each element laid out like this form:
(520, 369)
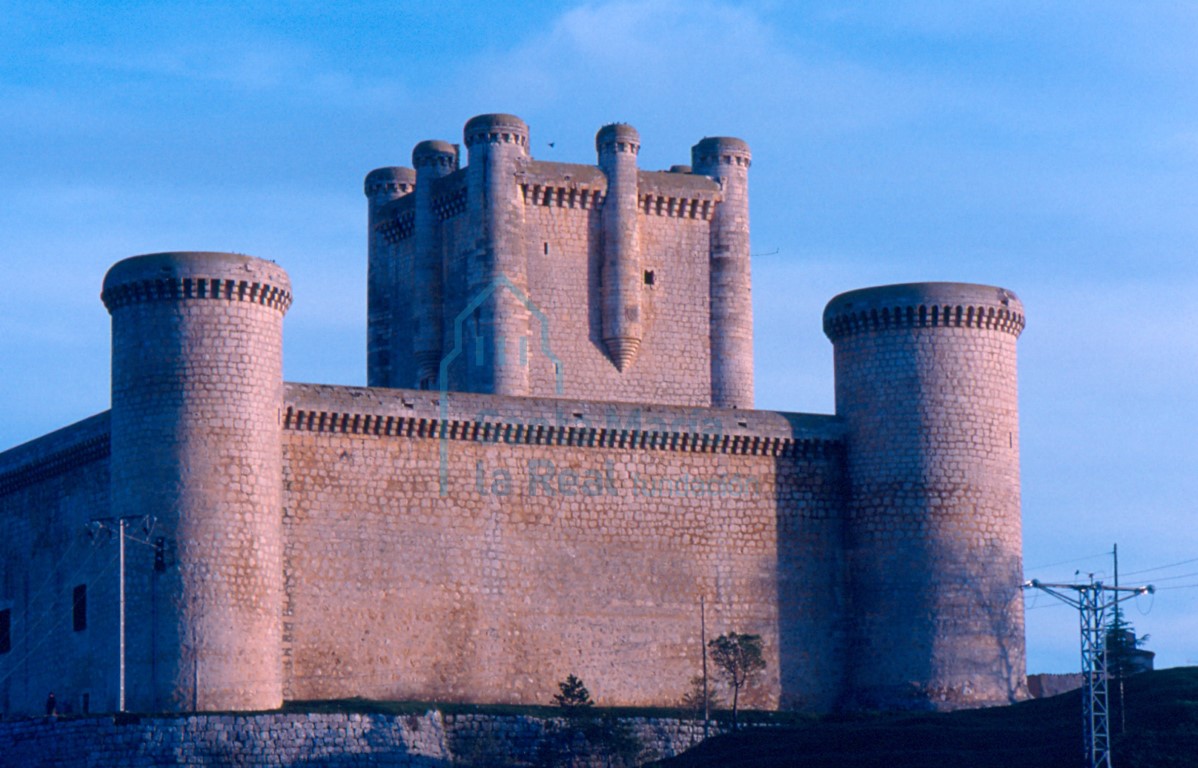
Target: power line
(1067, 562)
(1162, 567)
(1175, 578)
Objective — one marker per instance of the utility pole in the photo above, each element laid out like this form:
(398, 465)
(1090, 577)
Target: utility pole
(1122, 671)
(1093, 602)
(121, 525)
(703, 644)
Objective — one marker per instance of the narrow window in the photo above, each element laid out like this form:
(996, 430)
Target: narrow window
(79, 614)
(6, 630)
(546, 248)
(650, 278)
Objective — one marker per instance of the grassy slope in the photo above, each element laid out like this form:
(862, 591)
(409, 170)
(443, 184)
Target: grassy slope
(1162, 731)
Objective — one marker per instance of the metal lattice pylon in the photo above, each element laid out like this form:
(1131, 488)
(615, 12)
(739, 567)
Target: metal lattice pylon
(1094, 602)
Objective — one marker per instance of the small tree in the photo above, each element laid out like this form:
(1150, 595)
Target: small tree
(574, 696)
(693, 698)
(739, 660)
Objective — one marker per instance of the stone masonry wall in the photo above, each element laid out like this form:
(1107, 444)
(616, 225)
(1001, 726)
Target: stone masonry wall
(672, 365)
(428, 740)
(563, 537)
(49, 489)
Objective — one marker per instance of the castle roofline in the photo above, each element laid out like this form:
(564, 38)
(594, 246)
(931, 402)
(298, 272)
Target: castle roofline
(923, 304)
(541, 420)
(55, 452)
(195, 264)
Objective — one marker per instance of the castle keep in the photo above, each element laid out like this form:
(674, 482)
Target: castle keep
(555, 461)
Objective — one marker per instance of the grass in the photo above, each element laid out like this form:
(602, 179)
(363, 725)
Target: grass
(1162, 732)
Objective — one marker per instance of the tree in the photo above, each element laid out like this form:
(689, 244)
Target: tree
(1121, 646)
(739, 660)
(574, 696)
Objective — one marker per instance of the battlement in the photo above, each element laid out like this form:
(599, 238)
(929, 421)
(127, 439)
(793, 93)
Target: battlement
(496, 129)
(618, 138)
(720, 150)
(185, 276)
(61, 451)
(435, 153)
(485, 418)
(390, 182)
(923, 305)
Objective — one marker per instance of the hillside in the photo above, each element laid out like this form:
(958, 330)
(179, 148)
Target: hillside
(1162, 731)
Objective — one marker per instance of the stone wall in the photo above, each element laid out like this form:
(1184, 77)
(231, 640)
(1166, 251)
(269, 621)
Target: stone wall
(561, 537)
(428, 740)
(49, 489)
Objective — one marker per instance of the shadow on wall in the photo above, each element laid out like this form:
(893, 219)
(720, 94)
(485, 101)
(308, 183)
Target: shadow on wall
(811, 575)
(997, 592)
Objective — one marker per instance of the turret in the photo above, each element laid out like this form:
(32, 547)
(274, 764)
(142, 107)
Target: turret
(197, 445)
(384, 302)
(727, 161)
(432, 160)
(495, 346)
(618, 145)
(926, 386)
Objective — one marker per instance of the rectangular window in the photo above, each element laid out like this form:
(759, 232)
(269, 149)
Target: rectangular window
(6, 630)
(79, 613)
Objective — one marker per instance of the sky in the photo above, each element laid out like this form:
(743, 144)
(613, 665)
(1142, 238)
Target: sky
(1048, 148)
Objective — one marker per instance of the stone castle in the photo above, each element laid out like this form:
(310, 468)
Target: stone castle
(556, 468)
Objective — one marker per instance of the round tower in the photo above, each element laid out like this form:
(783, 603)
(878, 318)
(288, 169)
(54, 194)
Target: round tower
(383, 287)
(497, 147)
(197, 387)
(618, 145)
(727, 160)
(926, 386)
(432, 160)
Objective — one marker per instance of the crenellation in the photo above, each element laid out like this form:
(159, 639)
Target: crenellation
(499, 422)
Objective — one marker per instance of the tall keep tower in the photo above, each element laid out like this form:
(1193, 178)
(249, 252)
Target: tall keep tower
(531, 277)
(926, 386)
(197, 444)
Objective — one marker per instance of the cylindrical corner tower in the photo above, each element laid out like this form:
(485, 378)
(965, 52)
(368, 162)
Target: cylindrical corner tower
(926, 386)
(197, 388)
(618, 145)
(432, 160)
(383, 302)
(727, 161)
(497, 278)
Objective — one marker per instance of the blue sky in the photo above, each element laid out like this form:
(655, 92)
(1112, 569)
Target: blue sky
(1050, 148)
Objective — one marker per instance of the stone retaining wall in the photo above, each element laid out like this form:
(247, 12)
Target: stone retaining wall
(333, 741)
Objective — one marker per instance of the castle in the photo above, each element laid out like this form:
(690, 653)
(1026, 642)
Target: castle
(556, 468)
